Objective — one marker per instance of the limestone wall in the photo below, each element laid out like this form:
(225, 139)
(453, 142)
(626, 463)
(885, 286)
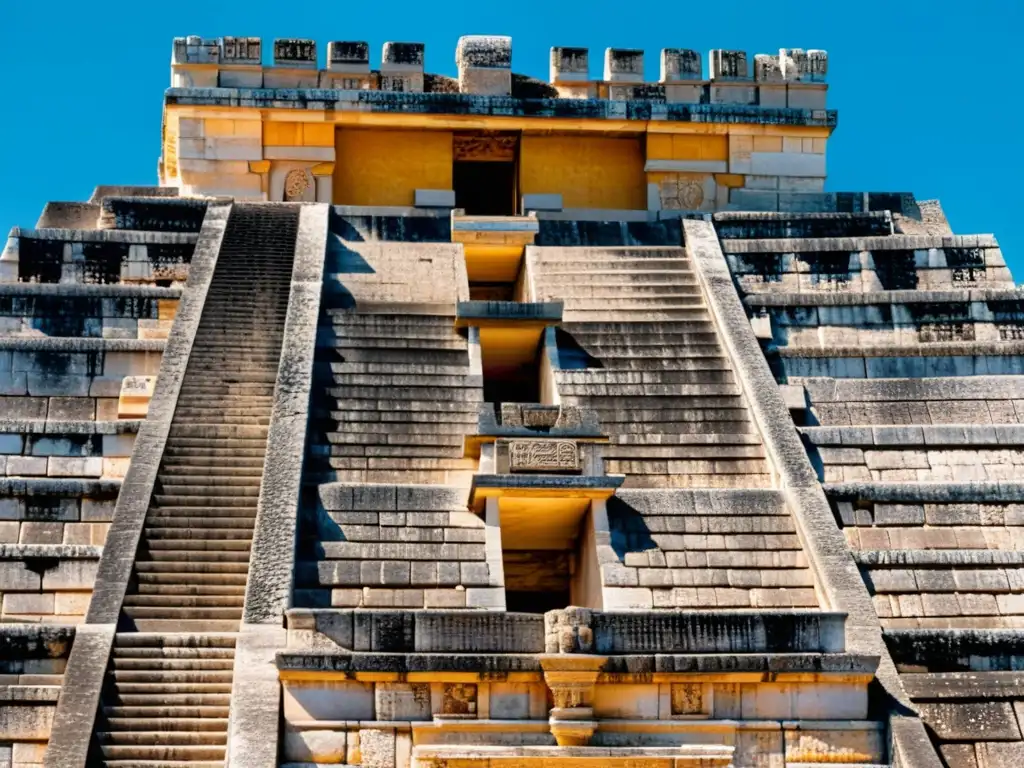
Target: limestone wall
(901, 358)
(83, 312)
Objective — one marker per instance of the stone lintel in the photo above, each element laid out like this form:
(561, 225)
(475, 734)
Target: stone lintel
(507, 313)
(658, 668)
(663, 636)
(568, 487)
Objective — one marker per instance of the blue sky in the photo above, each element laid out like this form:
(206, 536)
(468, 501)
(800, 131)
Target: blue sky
(927, 92)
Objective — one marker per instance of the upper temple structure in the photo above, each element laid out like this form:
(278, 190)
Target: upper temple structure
(416, 421)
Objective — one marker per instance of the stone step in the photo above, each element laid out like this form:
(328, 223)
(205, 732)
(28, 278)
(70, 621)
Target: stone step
(217, 432)
(237, 467)
(452, 439)
(244, 488)
(210, 454)
(176, 601)
(161, 556)
(154, 533)
(237, 517)
(174, 677)
(463, 421)
(403, 380)
(548, 277)
(167, 724)
(173, 657)
(188, 588)
(186, 625)
(128, 763)
(192, 613)
(178, 737)
(169, 712)
(186, 545)
(412, 357)
(173, 640)
(378, 368)
(138, 752)
(241, 497)
(196, 579)
(643, 313)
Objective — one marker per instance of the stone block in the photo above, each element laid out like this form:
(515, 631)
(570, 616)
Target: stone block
(569, 65)
(624, 65)
(377, 747)
(295, 53)
(542, 202)
(680, 64)
(26, 466)
(348, 56)
(960, 721)
(402, 701)
(314, 746)
(728, 65)
(41, 533)
(846, 746)
(15, 603)
(71, 575)
(435, 198)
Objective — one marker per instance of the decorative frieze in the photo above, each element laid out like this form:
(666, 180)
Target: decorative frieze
(543, 456)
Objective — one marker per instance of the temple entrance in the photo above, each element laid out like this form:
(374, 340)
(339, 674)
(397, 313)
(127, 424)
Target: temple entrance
(484, 172)
(485, 189)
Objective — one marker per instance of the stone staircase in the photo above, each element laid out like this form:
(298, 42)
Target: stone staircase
(665, 389)
(392, 399)
(165, 701)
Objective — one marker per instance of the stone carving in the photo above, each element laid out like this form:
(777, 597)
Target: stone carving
(484, 51)
(680, 64)
(459, 700)
(291, 51)
(687, 698)
(541, 416)
(495, 147)
(543, 456)
(348, 52)
(691, 195)
(241, 50)
(568, 631)
(728, 65)
(296, 184)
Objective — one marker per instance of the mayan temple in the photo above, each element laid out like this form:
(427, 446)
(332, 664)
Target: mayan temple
(414, 421)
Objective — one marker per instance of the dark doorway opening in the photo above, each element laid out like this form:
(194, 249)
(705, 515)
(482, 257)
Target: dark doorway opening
(537, 582)
(485, 188)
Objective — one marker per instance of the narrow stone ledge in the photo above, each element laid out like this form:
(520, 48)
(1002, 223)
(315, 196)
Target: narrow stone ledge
(70, 427)
(936, 493)
(50, 551)
(879, 297)
(899, 558)
(79, 345)
(29, 694)
(964, 685)
(931, 435)
(971, 349)
(14, 486)
(852, 244)
(132, 237)
(90, 290)
(956, 650)
(36, 641)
